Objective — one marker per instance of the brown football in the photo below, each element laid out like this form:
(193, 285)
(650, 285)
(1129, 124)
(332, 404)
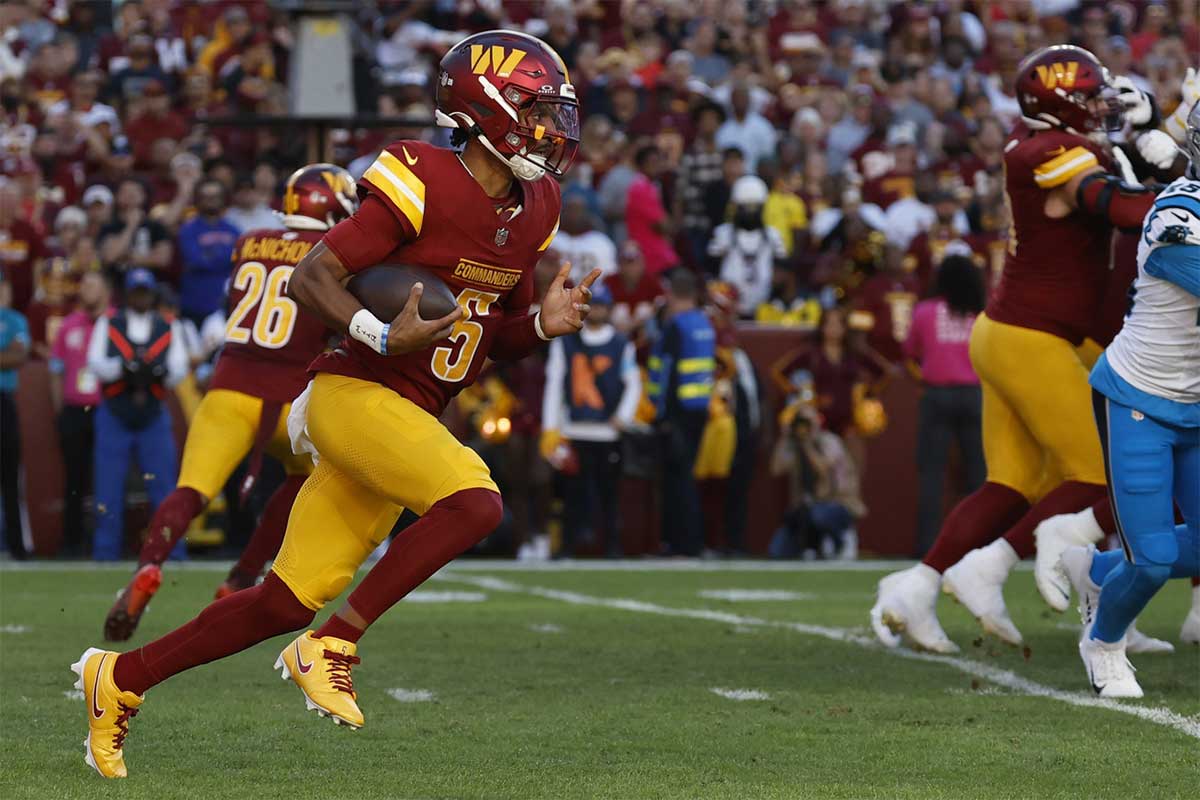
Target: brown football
(383, 290)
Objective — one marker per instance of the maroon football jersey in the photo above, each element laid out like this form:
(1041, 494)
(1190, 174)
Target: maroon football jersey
(269, 339)
(1057, 269)
(484, 254)
(888, 300)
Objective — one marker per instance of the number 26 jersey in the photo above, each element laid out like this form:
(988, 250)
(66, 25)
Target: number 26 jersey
(269, 339)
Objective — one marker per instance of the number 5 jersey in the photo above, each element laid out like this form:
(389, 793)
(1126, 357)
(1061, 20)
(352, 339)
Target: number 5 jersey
(483, 248)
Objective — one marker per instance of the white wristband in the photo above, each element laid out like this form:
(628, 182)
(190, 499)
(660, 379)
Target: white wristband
(369, 330)
(537, 326)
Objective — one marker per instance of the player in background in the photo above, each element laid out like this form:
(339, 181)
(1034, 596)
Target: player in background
(977, 580)
(269, 343)
(479, 219)
(1092, 525)
(1042, 456)
(1146, 389)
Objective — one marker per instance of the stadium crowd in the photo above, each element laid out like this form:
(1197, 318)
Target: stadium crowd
(834, 167)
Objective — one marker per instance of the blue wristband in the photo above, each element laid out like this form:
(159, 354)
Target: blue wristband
(383, 339)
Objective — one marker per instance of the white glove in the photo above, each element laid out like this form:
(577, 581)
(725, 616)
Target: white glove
(1135, 102)
(1157, 148)
(1176, 124)
(1190, 88)
(1126, 168)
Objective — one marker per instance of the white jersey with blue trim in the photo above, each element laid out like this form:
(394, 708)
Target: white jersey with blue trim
(1158, 348)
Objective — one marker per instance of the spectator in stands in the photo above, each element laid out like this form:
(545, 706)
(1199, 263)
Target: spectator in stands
(784, 210)
(699, 168)
(83, 107)
(132, 239)
(746, 129)
(613, 191)
(579, 244)
(635, 292)
(129, 83)
(205, 245)
(938, 344)
(97, 204)
(14, 350)
(137, 355)
(250, 209)
(680, 385)
(823, 487)
(747, 249)
(155, 120)
(74, 395)
(22, 248)
(646, 218)
(592, 391)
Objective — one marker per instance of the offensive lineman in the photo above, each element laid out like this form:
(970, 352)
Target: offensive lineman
(371, 409)
(269, 343)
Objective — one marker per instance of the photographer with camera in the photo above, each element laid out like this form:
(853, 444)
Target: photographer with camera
(138, 354)
(823, 492)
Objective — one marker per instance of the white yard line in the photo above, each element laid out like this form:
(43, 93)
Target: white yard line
(740, 694)
(412, 695)
(1001, 677)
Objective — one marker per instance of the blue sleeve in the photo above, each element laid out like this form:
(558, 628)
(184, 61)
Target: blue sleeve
(1177, 263)
(21, 329)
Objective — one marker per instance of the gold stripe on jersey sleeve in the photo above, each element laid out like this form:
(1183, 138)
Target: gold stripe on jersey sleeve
(400, 185)
(1062, 168)
(549, 238)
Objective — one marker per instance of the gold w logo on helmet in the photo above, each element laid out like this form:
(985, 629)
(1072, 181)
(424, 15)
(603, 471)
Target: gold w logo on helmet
(495, 58)
(1058, 74)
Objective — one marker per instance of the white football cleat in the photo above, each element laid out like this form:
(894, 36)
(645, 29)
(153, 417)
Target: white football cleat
(977, 581)
(1108, 670)
(1139, 643)
(907, 604)
(1190, 632)
(1054, 535)
(1076, 564)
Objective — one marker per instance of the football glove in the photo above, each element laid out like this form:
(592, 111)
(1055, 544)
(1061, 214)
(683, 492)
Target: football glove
(1157, 149)
(1139, 109)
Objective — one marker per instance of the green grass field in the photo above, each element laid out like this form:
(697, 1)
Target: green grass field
(580, 683)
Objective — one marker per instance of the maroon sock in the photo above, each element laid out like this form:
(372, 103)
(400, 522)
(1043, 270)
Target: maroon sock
(169, 524)
(338, 628)
(1196, 581)
(1102, 511)
(449, 527)
(1067, 498)
(227, 626)
(980, 518)
(264, 544)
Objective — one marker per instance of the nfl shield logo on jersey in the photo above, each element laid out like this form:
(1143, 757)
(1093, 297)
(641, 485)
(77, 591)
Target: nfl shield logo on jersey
(501, 236)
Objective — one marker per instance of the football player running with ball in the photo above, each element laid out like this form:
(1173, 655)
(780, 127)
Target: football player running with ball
(479, 219)
(269, 343)
(1146, 390)
(1028, 346)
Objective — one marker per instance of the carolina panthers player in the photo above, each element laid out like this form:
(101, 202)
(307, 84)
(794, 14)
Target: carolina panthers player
(1146, 392)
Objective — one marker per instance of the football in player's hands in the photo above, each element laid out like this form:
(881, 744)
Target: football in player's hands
(384, 291)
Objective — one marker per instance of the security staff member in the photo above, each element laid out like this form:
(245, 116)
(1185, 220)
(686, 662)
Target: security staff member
(681, 385)
(137, 354)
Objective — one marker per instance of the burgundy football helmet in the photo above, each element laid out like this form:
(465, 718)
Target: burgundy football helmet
(511, 91)
(1067, 87)
(317, 197)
